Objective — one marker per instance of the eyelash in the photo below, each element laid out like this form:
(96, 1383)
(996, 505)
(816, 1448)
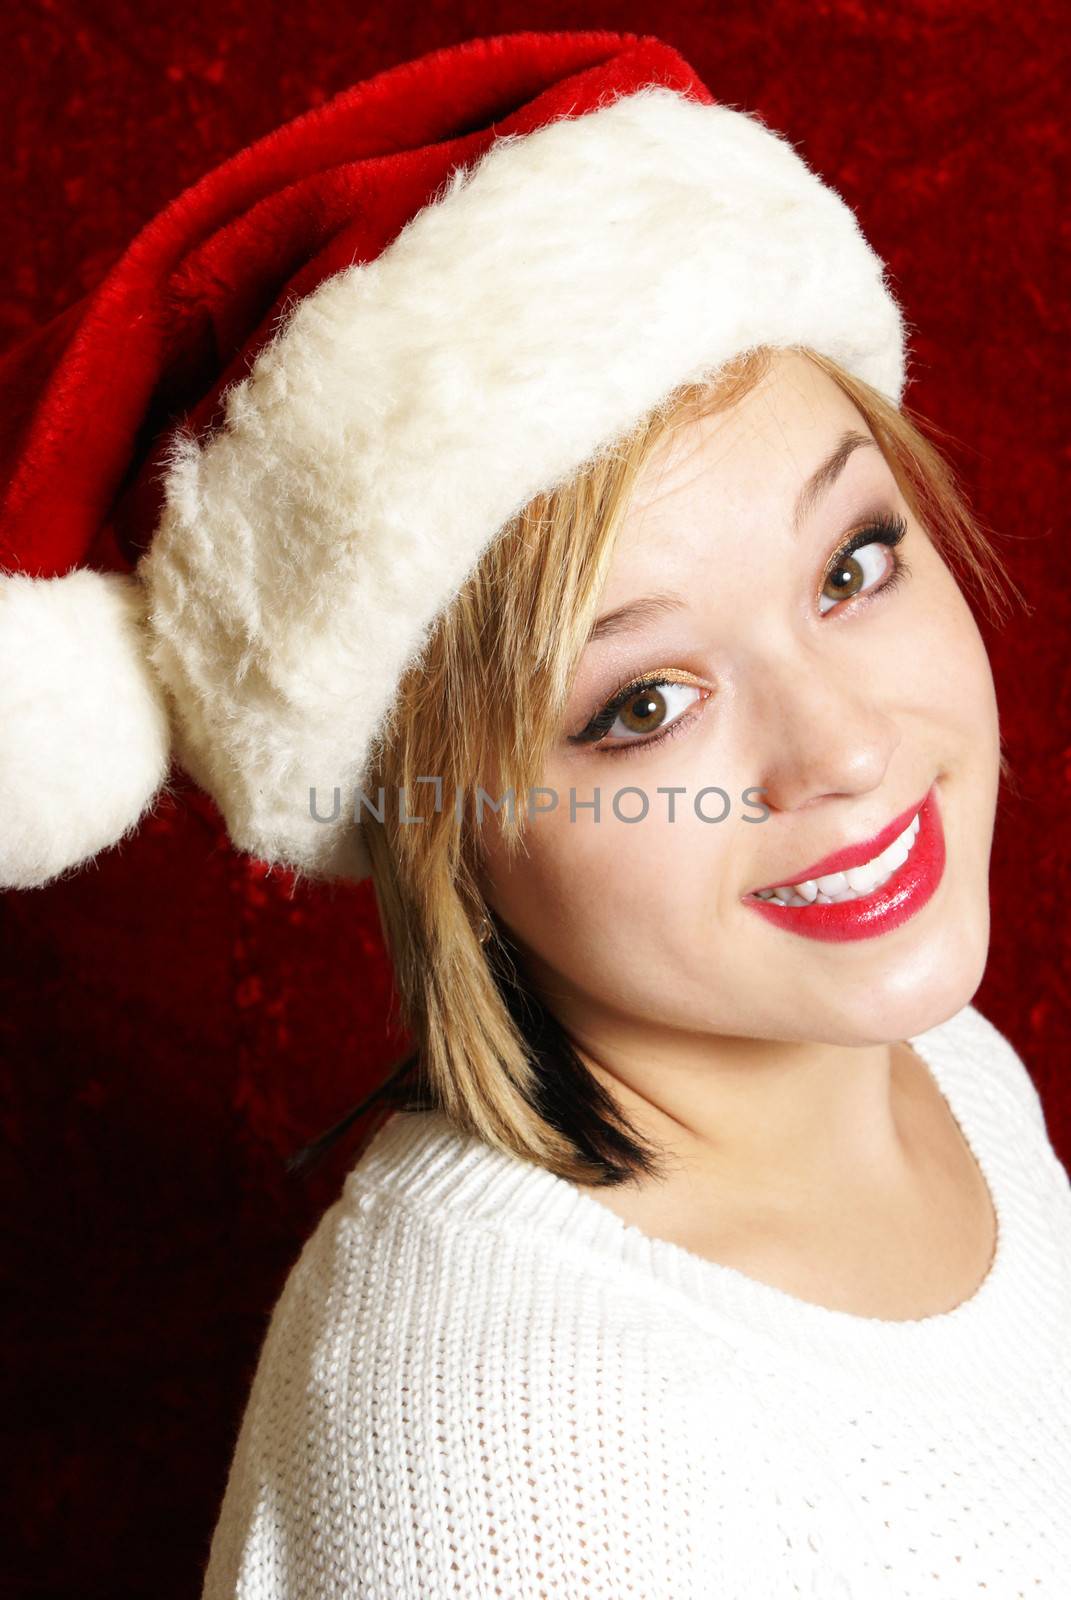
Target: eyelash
(887, 529)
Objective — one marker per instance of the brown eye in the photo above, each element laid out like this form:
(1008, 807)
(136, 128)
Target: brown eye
(853, 573)
(644, 711)
(651, 708)
(845, 580)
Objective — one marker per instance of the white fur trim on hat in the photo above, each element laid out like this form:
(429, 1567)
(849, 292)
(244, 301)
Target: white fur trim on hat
(546, 300)
(83, 726)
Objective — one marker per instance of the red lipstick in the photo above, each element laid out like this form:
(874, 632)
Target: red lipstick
(852, 855)
(901, 897)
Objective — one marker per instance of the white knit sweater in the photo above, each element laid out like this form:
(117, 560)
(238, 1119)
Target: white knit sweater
(479, 1382)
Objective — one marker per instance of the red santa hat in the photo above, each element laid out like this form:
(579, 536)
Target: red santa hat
(247, 474)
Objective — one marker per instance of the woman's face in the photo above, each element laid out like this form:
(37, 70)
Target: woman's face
(844, 698)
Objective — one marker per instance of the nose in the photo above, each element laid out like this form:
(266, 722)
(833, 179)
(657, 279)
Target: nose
(815, 729)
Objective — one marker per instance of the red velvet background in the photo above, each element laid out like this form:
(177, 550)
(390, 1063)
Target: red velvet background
(174, 1022)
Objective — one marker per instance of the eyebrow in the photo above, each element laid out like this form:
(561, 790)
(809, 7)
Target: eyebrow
(825, 476)
(819, 483)
(637, 611)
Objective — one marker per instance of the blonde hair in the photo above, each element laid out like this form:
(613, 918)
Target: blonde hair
(486, 697)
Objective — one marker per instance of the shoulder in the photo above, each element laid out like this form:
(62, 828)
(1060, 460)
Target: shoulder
(370, 1424)
(445, 1395)
(969, 1043)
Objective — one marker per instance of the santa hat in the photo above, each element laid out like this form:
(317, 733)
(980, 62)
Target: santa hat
(248, 473)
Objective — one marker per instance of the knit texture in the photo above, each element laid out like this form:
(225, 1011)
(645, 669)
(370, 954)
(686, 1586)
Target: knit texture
(480, 1382)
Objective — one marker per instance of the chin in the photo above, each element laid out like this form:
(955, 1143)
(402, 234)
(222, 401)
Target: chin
(937, 979)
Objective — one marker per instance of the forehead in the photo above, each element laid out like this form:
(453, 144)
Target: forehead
(746, 463)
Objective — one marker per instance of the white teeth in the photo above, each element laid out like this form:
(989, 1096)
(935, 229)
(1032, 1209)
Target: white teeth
(836, 887)
(863, 879)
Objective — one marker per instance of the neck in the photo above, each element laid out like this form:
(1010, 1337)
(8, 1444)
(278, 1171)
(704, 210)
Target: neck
(762, 1119)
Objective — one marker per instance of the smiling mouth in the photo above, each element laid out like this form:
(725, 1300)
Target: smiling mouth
(852, 883)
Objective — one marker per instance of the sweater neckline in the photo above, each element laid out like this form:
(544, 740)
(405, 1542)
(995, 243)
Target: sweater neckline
(1011, 1322)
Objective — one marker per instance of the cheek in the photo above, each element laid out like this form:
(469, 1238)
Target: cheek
(948, 706)
(950, 669)
(599, 899)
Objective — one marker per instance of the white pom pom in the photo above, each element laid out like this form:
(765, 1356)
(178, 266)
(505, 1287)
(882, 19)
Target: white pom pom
(84, 731)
